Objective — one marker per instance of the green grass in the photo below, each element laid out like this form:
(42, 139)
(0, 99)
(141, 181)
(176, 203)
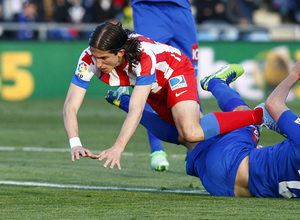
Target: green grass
(38, 124)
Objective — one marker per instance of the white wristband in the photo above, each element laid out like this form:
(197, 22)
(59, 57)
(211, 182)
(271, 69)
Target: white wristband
(75, 141)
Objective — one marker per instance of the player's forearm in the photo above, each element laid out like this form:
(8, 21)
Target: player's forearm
(70, 123)
(135, 111)
(275, 103)
(129, 127)
(72, 104)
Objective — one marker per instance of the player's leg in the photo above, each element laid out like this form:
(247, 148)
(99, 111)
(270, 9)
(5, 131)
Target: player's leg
(228, 99)
(184, 33)
(186, 120)
(184, 22)
(158, 155)
(185, 111)
(151, 21)
(186, 115)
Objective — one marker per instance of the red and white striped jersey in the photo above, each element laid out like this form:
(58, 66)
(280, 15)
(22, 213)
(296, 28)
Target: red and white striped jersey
(157, 65)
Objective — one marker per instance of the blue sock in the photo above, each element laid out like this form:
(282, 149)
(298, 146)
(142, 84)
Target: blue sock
(227, 98)
(153, 123)
(155, 143)
(210, 125)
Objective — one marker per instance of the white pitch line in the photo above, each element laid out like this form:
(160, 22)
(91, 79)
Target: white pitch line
(5, 148)
(50, 185)
(42, 149)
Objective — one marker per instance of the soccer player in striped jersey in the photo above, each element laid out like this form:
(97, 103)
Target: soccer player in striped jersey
(160, 75)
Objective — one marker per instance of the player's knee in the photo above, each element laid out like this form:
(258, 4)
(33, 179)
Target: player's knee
(192, 135)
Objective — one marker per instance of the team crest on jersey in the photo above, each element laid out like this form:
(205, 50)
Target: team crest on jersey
(177, 82)
(255, 135)
(297, 121)
(82, 67)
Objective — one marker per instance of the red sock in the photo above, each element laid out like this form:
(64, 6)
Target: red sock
(229, 121)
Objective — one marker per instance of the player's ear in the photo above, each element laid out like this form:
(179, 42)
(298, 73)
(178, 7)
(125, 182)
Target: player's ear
(121, 52)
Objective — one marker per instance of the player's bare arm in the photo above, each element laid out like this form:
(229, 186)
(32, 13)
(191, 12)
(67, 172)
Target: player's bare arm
(72, 104)
(296, 70)
(136, 107)
(275, 103)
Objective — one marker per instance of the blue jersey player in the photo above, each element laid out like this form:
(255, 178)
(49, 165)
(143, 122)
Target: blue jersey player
(231, 164)
(164, 21)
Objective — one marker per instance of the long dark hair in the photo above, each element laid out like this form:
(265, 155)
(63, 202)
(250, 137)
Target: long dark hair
(112, 37)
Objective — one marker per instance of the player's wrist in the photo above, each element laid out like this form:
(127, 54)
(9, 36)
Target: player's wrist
(75, 141)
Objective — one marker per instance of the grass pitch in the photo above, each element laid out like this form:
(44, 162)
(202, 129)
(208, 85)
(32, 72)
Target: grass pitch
(34, 150)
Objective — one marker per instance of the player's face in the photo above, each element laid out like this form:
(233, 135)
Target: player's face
(107, 61)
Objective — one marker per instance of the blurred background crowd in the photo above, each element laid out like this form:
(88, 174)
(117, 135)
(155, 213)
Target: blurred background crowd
(217, 19)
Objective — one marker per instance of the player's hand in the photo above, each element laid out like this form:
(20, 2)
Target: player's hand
(78, 151)
(113, 156)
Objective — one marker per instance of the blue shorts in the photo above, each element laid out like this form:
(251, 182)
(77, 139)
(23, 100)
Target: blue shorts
(274, 171)
(168, 23)
(216, 160)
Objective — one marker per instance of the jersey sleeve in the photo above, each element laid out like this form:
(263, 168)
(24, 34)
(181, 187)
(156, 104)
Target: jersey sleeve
(145, 70)
(145, 80)
(85, 70)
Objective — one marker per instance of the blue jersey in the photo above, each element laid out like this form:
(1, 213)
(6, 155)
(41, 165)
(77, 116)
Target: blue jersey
(274, 171)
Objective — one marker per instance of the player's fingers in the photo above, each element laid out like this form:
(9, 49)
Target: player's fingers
(106, 162)
(82, 152)
(92, 156)
(72, 156)
(77, 155)
(89, 153)
(118, 165)
(112, 164)
(102, 155)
